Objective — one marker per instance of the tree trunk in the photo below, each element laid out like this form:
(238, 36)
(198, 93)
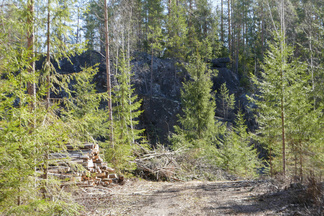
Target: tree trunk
(237, 48)
(229, 26)
(282, 89)
(222, 23)
(31, 88)
(151, 84)
(283, 128)
(270, 160)
(48, 92)
(262, 32)
(78, 25)
(48, 56)
(108, 73)
(301, 160)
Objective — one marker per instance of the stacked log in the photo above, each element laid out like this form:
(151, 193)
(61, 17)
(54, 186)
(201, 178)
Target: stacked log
(83, 166)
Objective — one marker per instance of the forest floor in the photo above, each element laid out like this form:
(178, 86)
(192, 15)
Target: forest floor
(141, 197)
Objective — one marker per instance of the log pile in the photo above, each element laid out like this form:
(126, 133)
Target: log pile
(82, 165)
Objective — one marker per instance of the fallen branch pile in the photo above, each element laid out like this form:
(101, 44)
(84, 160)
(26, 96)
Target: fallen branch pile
(82, 165)
(158, 164)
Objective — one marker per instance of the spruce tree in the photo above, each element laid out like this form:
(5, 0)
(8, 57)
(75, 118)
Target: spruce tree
(236, 154)
(227, 101)
(248, 155)
(126, 113)
(27, 135)
(82, 110)
(284, 88)
(197, 124)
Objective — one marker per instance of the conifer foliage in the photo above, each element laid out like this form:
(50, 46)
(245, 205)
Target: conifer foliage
(126, 113)
(236, 154)
(284, 87)
(29, 129)
(198, 121)
(34, 124)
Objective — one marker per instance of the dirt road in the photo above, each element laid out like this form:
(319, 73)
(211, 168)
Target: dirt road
(138, 197)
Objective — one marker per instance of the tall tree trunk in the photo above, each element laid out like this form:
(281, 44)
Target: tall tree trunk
(301, 160)
(243, 37)
(270, 161)
(31, 88)
(237, 48)
(312, 69)
(48, 59)
(129, 83)
(151, 83)
(78, 25)
(190, 10)
(262, 32)
(283, 46)
(108, 73)
(229, 26)
(222, 23)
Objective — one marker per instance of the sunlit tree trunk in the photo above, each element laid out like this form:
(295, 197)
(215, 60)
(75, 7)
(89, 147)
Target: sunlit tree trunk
(282, 46)
(31, 88)
(108, 72)
(229, 26)
(222, 23)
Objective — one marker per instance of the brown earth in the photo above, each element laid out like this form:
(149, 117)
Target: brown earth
(140, 197)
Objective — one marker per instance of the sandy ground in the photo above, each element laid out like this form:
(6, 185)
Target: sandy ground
(139, 197)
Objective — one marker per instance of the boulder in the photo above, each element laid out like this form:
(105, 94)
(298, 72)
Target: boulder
(220, 62)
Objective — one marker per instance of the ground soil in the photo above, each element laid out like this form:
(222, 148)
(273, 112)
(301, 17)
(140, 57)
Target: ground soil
(140, 197)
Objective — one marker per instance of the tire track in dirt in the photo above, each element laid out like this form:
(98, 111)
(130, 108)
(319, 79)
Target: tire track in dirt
(196, 198)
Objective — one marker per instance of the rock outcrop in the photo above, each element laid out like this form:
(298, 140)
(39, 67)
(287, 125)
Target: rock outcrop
(160, 110)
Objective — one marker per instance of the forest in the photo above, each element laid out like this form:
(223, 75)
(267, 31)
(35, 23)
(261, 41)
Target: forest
(224, 86)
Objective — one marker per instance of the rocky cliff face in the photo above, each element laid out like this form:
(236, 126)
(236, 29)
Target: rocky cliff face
(160, 111)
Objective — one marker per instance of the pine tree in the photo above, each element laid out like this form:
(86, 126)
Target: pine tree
(203, 34)
(153, 16)
(93, 25)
